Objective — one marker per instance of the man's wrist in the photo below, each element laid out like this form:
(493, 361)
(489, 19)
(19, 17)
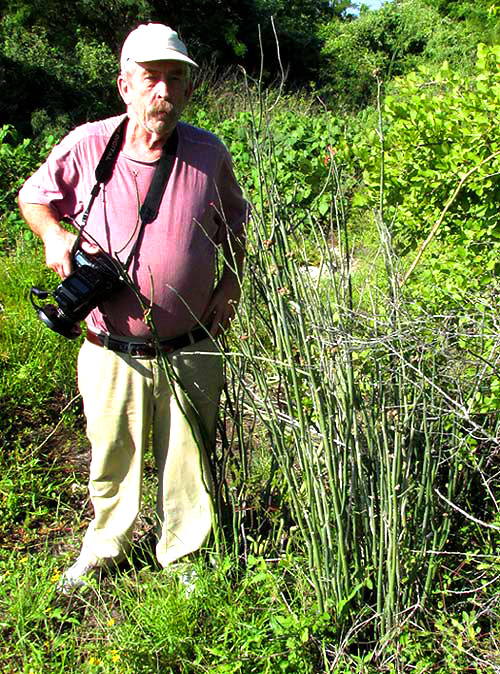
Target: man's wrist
(51, 230)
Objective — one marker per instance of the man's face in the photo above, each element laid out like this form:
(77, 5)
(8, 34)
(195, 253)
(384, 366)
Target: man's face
(156, 94)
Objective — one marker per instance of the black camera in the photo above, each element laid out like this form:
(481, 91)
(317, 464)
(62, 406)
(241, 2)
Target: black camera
(93, 279)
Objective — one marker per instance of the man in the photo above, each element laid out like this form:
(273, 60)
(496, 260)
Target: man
(129, 392)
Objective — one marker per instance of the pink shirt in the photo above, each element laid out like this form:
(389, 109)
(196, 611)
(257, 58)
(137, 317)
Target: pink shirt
(174, 267)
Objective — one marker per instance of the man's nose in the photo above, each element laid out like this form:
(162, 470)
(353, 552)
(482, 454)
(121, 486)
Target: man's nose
(162, 88)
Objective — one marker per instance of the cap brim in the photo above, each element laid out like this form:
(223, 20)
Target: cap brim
(161, 55)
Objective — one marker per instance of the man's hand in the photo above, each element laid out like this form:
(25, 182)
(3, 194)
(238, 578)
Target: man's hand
(58, 242)
(58, 246)
(222, 306)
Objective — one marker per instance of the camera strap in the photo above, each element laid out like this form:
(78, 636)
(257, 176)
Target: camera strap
(104, 169)
(151, 205)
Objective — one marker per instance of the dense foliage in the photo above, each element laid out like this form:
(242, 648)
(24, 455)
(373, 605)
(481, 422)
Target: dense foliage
(58, 62)
(441, 172)
(390, 42)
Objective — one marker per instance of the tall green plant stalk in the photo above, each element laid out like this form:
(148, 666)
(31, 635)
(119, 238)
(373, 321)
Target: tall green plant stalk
(361, 420)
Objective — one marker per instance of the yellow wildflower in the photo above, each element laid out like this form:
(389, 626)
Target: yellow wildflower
(55, 576)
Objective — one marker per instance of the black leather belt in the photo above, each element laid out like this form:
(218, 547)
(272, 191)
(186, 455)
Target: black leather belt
(148, 349)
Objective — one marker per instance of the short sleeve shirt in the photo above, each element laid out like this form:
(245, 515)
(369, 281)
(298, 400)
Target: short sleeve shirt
(174, 265)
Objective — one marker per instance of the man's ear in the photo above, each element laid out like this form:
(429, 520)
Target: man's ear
(124, 88)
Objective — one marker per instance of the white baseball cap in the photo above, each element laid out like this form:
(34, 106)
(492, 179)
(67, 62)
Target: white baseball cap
(154, 42)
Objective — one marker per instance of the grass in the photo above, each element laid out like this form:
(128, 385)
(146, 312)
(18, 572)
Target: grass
(252, 619)
(140, 621)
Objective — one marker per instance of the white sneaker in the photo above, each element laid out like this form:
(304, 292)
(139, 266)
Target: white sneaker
(77, 574)
(187, 576)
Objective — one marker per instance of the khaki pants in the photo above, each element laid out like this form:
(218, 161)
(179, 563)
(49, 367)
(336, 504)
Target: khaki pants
(128, 400)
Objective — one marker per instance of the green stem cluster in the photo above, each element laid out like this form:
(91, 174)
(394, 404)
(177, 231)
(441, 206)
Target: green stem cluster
(362, 418)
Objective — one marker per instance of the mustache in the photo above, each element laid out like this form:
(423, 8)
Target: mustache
(165, 106)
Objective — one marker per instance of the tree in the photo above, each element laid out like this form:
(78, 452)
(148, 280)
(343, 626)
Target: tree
(59, 61)
(480, 16)
(389, 42)
(65, 55)
(295, 32)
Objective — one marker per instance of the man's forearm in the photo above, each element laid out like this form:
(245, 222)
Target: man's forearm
(57, 241)
(40, 218)
(226, 295)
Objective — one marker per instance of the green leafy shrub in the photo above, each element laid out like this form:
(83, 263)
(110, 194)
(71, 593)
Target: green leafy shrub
(294, 148)
(67, 80)
(389, 42)
(18, 159)
(441, 173)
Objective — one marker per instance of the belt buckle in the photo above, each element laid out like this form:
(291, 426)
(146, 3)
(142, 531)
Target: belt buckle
(136, 349)
(166, 346)
(132, 348)
(146, 348)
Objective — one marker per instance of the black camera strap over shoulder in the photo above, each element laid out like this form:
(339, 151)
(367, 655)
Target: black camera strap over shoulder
(150, 207)
(104, 171)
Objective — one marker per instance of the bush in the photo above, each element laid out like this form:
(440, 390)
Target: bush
(67, 84)
(441, 173)
(295, 145)
(18, 159)
(389, 42)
